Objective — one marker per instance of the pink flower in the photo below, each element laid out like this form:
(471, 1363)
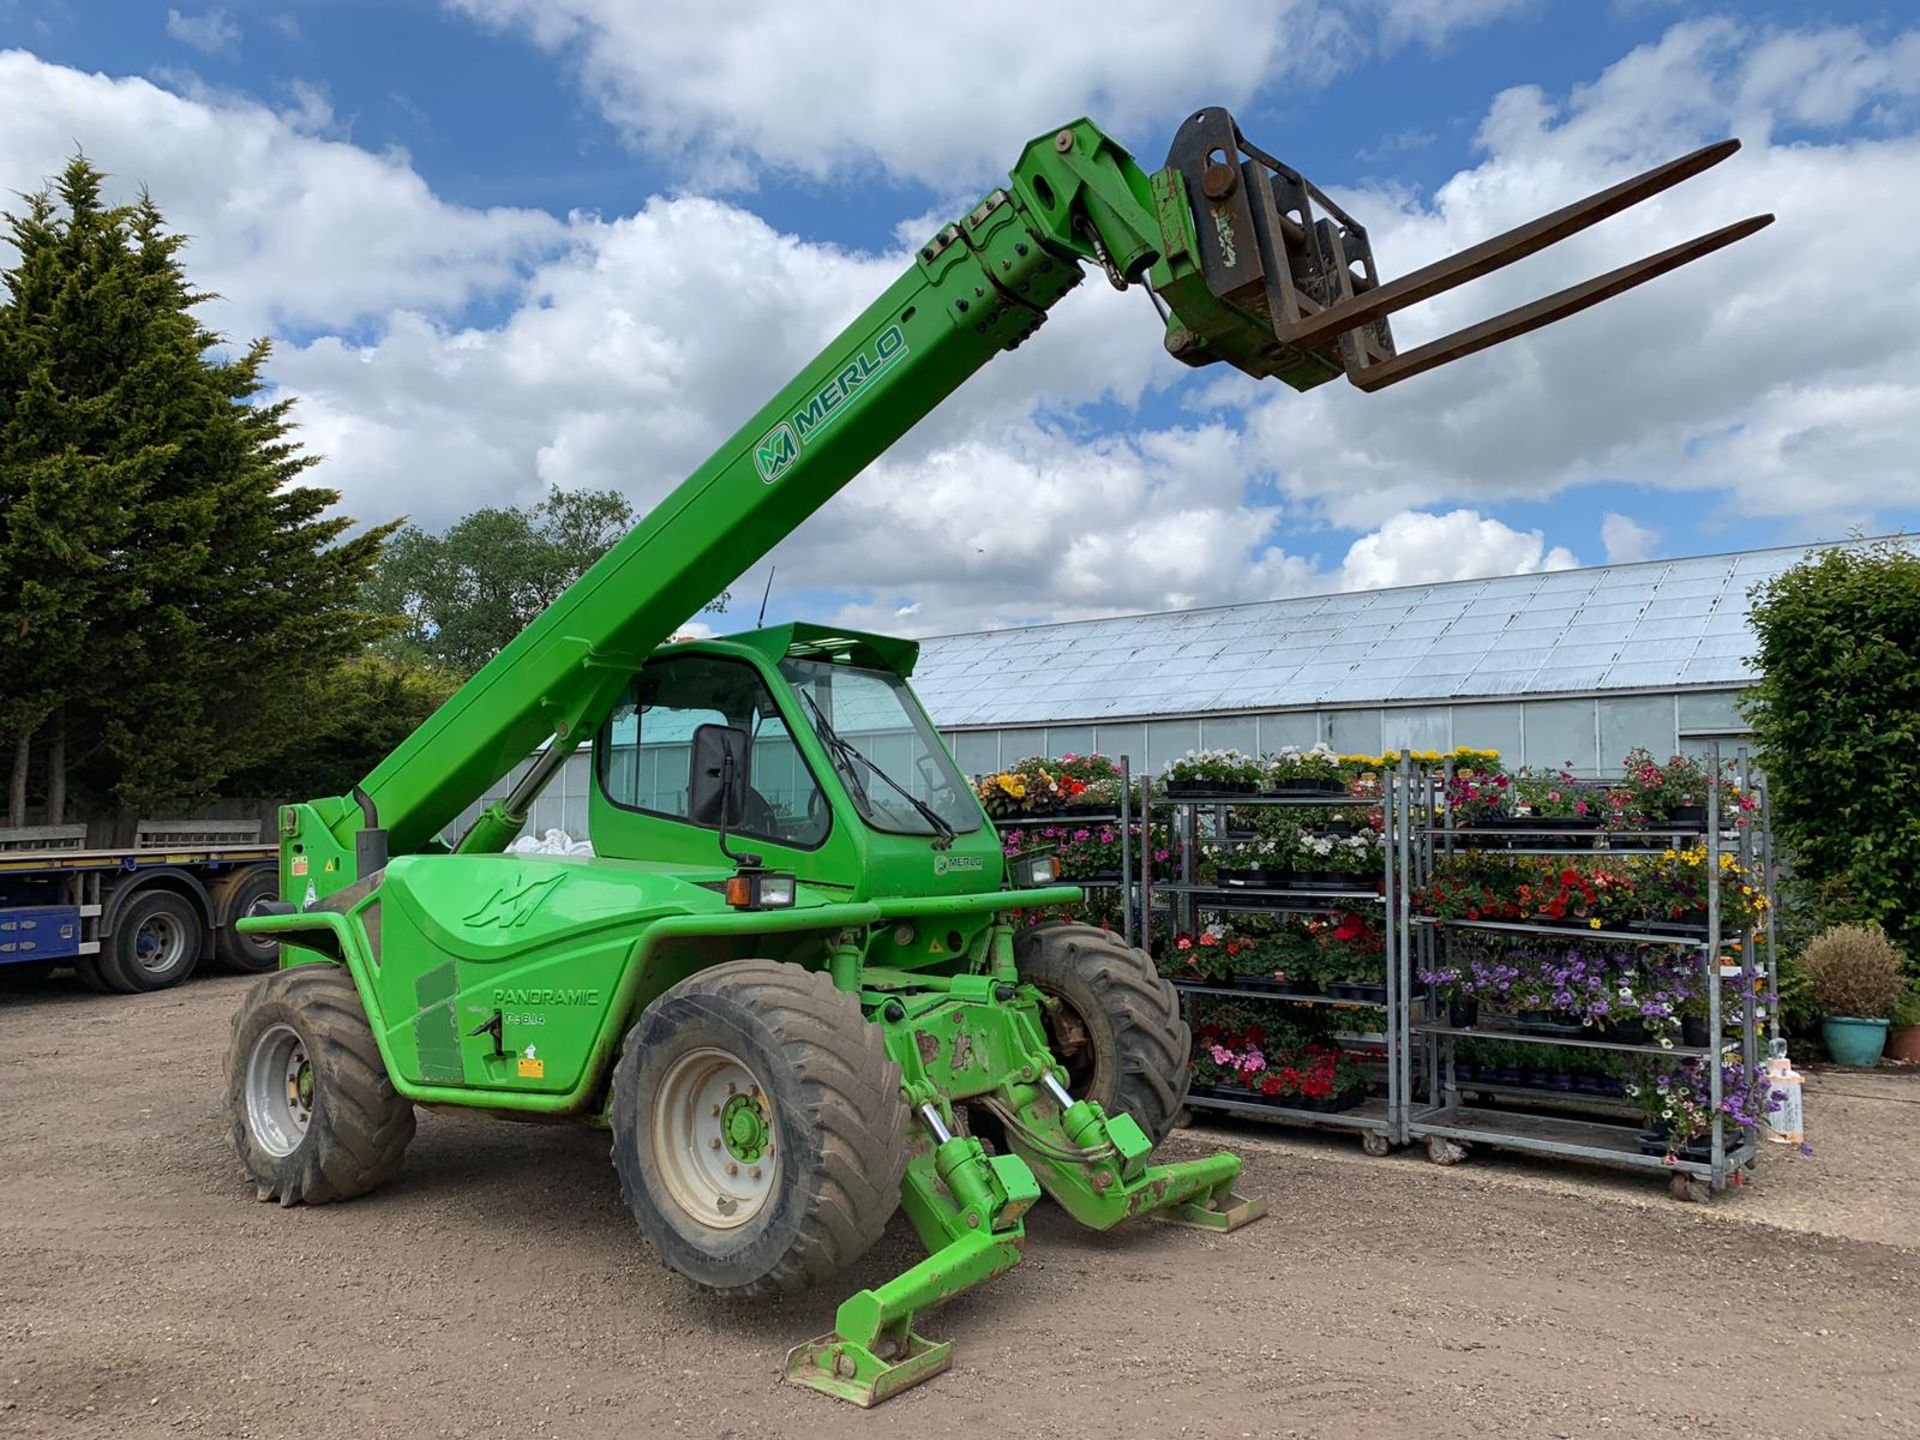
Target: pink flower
(1221, 1055)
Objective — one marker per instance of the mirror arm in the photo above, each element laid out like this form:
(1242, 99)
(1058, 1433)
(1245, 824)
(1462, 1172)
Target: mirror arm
(741, 858)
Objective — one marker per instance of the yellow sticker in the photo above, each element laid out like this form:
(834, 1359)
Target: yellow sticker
(533, 1069)
(299, 864)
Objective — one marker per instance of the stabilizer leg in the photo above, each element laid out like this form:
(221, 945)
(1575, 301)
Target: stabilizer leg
(969, 1209)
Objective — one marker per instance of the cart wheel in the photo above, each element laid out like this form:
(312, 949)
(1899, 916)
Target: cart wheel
(1690, 1188)
(1442, 1151)
(1375, 1144)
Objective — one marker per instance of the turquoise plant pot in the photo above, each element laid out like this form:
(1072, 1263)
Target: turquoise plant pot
(1852, 1041)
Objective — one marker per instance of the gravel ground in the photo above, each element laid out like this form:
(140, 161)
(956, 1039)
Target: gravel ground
(499, 1288)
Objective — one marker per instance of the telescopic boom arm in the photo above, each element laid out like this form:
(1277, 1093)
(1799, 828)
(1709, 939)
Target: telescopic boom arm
(1255, 265)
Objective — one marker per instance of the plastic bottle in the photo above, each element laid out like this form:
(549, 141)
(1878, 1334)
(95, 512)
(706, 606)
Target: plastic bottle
(1786, 1125)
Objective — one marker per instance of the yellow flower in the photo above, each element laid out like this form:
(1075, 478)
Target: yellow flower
(1594, 923)
(1019, 792)
(1746, 889)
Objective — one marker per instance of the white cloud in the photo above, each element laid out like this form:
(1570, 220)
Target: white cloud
(834, 85)
(293, 231)
(212, 33)
(1782, 376)
(1413, 548)
(1782, 381)
(1626, 539)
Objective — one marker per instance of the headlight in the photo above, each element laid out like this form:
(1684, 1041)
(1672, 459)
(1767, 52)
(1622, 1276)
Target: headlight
(758, 890)
(1029, 872)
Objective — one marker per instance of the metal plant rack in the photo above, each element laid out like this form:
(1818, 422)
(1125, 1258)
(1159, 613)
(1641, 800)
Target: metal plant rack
(1126, 883)
(1576, 1125)
(1380, 1120)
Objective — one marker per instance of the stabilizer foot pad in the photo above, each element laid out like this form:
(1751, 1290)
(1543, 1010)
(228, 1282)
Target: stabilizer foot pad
(850, 1371)
(1222, 1215)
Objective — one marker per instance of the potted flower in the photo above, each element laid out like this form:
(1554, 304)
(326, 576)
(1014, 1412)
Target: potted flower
(1903, 1034)
(1293, 771)
(1205, 773)
(1554, 802)
(1678, 1105)
(1857, 984)
(1091, 782)
(1477, 794)
(1263, 862)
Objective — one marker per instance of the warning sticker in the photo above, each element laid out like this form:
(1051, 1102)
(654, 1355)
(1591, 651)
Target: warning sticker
(532, 1069)
(299, 864)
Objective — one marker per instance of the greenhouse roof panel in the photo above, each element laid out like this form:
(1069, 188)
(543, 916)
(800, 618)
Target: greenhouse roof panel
(1624, 627)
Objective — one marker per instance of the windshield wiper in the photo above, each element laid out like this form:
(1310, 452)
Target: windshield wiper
(848, 751)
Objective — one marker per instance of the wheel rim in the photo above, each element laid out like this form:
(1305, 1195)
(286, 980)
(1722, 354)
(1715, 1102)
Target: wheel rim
(257, 942)
(159, 943)
(1071, 1040)
(280, 1085)
(715, 1139)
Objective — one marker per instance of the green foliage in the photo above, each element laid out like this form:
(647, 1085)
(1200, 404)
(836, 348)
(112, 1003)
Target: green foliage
(360, 710)
(165, 583)
(1836, 720)
(461, 595)
(1855, 971)
(1799, 1015)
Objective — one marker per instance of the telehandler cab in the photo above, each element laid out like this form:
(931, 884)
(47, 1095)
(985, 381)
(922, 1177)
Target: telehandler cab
(790, 980)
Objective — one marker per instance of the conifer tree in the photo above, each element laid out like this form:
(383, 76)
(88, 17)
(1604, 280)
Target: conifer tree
(170, 595)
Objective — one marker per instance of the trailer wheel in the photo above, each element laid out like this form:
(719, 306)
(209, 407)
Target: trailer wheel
(1115, 1024)
(237, 950)
(155, 943)
(310, 1109)
(758, 1128)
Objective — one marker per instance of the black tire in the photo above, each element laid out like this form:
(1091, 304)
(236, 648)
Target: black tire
(237, 951)
(837, 1126)
(358, 1127)
(1117, 1025)
(156, 943)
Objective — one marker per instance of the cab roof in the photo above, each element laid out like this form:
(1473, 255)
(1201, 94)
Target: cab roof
(800, 640)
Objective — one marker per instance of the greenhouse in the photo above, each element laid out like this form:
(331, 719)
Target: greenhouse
(1569, 668)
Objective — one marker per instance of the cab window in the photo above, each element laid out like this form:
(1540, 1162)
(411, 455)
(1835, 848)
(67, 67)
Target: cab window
(646, 746)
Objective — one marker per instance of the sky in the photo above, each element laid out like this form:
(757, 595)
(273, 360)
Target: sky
(507, 244)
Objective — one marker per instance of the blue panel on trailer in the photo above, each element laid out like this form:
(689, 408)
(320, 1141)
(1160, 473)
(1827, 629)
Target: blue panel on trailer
(39, 932)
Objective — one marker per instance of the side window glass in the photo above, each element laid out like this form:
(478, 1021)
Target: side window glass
(647, 743)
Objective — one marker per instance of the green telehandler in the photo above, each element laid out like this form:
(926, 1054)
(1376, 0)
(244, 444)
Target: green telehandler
(790, 980)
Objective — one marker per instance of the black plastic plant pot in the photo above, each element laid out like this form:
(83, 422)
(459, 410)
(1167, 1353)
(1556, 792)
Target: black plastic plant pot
(1339, 829)
(1207, 789)
(1655, 1142)
(1262, 984)
(1303, 786)
(1506, 1074)
(1693, 1031)
(1465, 1072)
(1627, 1032)
(1562, 1081)
(1238, 878)
(1373, 994)
(1220, 1092)
(1688, 817)
(1463, 1014)
(1345, 1099)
